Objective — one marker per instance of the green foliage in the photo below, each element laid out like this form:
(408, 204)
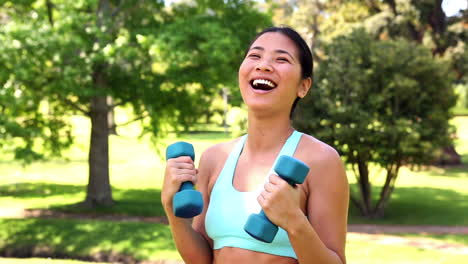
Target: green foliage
(203, 50)
(165, 62)
(382, 102)
(458, 56)
(383, 98)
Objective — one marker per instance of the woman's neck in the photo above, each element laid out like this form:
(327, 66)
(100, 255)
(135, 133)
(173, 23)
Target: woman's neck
(267, 134)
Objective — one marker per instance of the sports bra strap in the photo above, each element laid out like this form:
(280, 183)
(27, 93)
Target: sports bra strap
(289, 147)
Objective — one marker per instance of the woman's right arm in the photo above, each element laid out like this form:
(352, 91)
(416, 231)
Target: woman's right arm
(192, 242)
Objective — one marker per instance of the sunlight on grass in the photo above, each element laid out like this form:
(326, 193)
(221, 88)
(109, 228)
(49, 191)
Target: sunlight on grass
(135, 164)
(147, 241)
(448, 238)
(425, 196)
(361, 252)
(88, 237)
(462, 136)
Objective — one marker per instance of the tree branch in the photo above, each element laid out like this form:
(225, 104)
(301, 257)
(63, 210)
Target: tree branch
(50, 10)
(118, 9)
(357, 204)
(133, 120)
(76, 106)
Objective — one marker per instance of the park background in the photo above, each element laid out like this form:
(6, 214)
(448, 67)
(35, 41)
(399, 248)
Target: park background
(92, 92)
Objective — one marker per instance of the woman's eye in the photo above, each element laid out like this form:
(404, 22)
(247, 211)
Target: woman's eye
(283, 59)
(253, 56)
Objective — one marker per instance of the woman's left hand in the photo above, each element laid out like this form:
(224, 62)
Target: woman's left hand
(280, 201)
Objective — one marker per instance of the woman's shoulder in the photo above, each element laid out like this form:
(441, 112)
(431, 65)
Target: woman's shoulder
(324, 161)
(315, 150)
(326, 167)
(217, 154)
(220, 149)
(212, 160)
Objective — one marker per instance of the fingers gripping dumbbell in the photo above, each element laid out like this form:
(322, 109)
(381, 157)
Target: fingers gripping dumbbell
(294, 172)
(187, 202)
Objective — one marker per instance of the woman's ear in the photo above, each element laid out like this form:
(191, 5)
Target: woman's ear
(304, 87)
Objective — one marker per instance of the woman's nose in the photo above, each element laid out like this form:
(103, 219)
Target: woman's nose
(264, 66)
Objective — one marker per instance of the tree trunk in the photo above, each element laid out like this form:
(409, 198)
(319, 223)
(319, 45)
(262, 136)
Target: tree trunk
(387, 190)
(99, 189)
(364, 187)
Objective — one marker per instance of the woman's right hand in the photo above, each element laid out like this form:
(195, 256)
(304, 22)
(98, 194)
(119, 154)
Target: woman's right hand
(178, 170)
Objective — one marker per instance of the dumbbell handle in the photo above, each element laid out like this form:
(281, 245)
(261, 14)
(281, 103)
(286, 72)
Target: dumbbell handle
(188, 185)
(181, 149)
(262, 213)
(292, 171)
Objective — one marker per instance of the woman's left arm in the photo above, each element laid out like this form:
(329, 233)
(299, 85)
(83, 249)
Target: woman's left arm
(319, 237)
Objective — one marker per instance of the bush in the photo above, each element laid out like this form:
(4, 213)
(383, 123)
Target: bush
(383, 102)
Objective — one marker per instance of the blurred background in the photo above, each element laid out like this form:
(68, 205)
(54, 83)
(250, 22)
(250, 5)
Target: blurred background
(93, 91)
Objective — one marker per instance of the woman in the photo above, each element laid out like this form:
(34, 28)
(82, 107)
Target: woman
(235, 178)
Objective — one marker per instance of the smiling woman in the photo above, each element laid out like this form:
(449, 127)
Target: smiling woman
(285, 57)
(237, 178)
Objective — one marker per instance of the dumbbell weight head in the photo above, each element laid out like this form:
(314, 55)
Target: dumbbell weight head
(291, 169)
(187, 202)
(294, 172)
(260, 227)
(180, 148)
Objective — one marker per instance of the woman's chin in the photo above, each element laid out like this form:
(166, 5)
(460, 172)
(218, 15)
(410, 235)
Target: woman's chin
(262, 110)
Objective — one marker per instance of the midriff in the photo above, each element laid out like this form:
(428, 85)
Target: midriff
(231, 255)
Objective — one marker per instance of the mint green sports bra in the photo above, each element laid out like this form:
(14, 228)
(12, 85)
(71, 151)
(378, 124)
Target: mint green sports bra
(229, 209)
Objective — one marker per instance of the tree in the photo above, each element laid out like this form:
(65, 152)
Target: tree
(422, 23)
(379, 102)
(61, 57)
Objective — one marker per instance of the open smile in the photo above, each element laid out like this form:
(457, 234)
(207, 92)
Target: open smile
(263, 84)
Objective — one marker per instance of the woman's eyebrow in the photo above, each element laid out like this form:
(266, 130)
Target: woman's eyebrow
(277, 51)
(258, 48)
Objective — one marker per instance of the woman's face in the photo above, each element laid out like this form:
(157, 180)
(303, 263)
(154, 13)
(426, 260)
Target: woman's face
(270, 75)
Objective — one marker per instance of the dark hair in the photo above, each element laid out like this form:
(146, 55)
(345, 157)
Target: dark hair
(305, 55)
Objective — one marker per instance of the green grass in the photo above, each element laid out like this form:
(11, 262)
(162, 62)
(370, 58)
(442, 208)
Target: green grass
(448, 238)
(437, 196)
(144, 241)
(362, 252)
(428, 196)
(136, 173)
(82, 238)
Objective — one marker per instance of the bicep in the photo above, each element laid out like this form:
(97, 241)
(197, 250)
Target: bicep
(204, 174)
(328, 202)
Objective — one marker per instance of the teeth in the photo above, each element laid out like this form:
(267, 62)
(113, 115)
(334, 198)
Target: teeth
(262, 81)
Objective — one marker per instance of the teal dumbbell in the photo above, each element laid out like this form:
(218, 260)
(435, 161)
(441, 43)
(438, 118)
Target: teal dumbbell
(187, 202)
(294, 172)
